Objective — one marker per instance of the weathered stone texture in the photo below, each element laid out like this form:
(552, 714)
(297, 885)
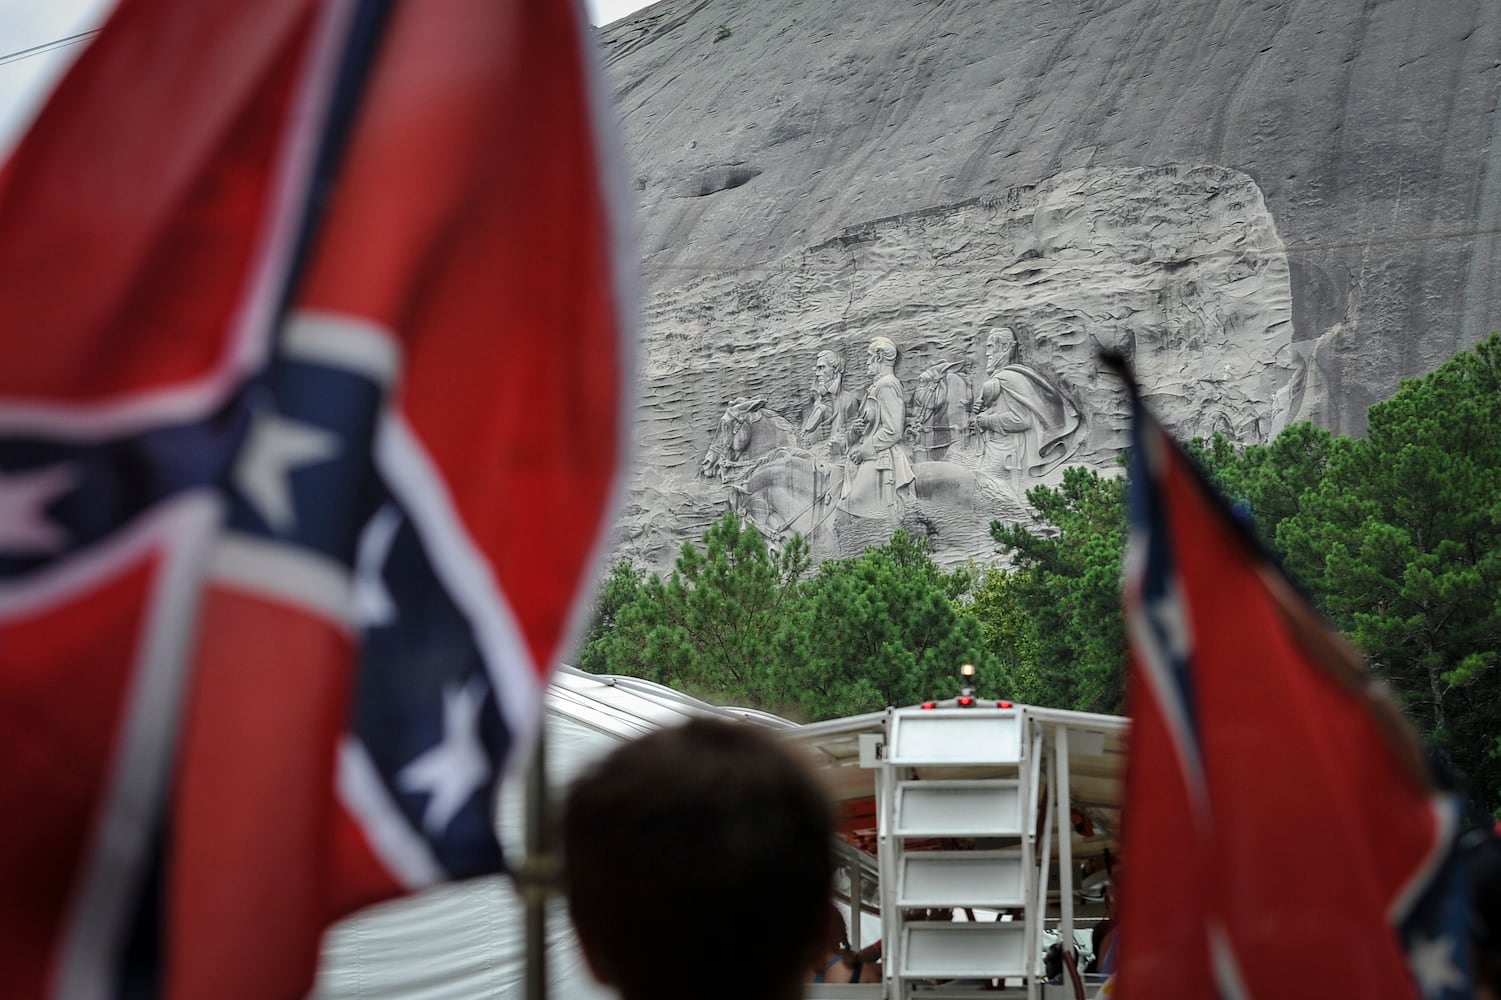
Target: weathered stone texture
(1283, 206)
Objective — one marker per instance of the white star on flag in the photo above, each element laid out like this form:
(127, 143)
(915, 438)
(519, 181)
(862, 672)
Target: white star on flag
(276, 448)
(1167, 612)
(25, 528)
(1433, 965)
(373, 606)
(451, 771)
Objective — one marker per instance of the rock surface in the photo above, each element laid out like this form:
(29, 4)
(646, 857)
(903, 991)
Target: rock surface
(1279, 208)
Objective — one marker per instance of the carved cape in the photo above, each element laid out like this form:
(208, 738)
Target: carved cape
(883, 482)
(1017, 400)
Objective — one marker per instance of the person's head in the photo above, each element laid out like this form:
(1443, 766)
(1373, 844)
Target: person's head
(1001, 347)
(1483, 856)
(881, 355)
(828, 372)
(692, 844)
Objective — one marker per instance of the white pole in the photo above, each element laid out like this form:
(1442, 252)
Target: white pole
(1031, 912)
(1040, 914)
(857, 910)
(888, 844)
(1065, 842)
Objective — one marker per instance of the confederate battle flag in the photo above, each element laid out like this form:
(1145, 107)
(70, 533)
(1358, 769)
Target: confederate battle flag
(314, 378)
(1281, 839)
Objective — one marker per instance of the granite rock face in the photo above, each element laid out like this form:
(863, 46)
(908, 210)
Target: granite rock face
(1277, 208)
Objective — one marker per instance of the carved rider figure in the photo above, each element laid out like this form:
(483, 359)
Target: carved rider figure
(1027, 422)
(833, 406)
(879, 477)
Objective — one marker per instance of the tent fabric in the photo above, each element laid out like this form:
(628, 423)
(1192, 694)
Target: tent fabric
(467, 940)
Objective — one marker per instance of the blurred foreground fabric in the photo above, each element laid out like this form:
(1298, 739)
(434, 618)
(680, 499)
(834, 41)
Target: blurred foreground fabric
(314, 391)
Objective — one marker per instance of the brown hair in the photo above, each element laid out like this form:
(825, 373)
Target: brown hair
(692, 844)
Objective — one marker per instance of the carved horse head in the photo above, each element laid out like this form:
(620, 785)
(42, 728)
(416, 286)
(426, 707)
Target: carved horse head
(938, 408)
(737, 433)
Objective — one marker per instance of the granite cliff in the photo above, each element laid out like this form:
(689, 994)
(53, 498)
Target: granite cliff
(1277, 208)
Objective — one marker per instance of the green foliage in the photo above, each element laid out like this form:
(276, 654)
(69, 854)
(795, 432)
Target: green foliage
(1401, 540)
(1397, 536)
(880, 630)
(1268, 481)
(1068, 582)
(620, 588)
(1008, 635)
(711, 627)
(737, 623)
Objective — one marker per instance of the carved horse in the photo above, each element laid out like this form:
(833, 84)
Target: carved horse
(747, 432)
(790, 491)
(938, 413)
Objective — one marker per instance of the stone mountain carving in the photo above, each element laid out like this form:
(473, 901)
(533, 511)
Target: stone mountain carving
(878, 476)
(939, 409)
(859, 483)
(793, 491)
(1280, 208)
(747, 432)
(1370, 129)
(995, 309)
(833, 407)
(1027, 425)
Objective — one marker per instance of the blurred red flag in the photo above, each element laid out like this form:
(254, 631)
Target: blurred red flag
(312, 415)
(1278, 824)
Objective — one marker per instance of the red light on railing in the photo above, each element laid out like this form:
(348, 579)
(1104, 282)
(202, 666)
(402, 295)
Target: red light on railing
(928, 705)
(1003, 704)
(966, 702)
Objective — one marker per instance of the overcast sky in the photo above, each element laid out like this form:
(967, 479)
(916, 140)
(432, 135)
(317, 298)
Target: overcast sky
(25, 81)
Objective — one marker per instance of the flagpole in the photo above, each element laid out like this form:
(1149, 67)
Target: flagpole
(538, 873)
(1064, 795)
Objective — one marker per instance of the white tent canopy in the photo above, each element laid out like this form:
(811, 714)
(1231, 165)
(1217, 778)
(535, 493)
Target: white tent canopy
(466, 940)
